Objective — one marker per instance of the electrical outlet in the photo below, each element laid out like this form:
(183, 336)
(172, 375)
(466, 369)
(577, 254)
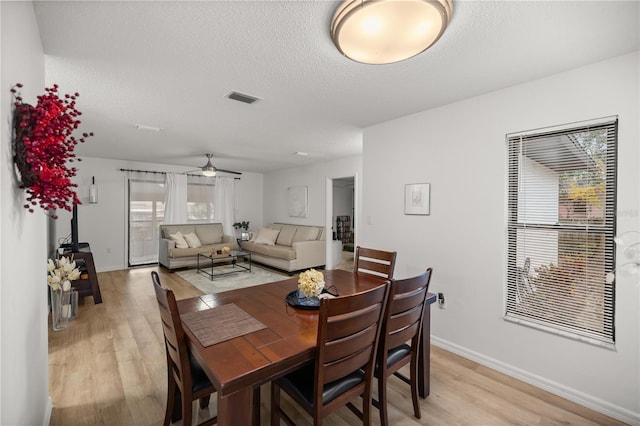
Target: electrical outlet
(441, 301)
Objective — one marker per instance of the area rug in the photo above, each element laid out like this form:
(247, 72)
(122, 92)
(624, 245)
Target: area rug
(240, 279)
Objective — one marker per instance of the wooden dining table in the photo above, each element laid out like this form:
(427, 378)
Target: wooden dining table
(285, 341)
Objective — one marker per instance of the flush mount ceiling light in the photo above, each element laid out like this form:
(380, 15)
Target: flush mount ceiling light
(387, 31)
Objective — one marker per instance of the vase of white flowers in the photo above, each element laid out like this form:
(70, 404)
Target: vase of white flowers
(61, 272)
(310, 285)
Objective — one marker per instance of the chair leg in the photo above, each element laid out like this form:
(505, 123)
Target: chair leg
(169, 414)
(275, 404)
(204, 401)
(256, 406)
(187, 409)
(414, 386)
(366, 407)
(382, 399)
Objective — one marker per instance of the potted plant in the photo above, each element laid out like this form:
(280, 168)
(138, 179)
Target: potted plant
(239, 227)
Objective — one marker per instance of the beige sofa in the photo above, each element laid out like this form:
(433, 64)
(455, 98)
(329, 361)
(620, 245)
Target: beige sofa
(209, 235)
(288, 247)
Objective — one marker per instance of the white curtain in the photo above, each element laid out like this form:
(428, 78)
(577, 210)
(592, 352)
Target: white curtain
(224, 203)
(175, 199)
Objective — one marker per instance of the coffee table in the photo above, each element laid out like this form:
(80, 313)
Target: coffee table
(240, 261)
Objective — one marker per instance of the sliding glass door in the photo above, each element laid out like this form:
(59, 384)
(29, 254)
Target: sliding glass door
(146, 214)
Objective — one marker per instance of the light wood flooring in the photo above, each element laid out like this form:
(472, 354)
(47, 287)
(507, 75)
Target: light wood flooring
(109, 368)
(347, 261)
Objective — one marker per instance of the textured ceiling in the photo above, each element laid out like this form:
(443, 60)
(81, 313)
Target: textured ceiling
(169, 65)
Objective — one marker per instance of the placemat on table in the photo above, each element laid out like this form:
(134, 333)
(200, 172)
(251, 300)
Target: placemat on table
(221, 323)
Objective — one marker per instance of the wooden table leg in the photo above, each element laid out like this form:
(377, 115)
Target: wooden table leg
(236, 408)
(424, 358)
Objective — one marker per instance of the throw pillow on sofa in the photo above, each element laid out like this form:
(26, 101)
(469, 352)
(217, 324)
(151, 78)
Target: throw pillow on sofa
(306, 233)
(179, 239)
(267, 236)
(208, 234)
(193, 240)
(285, 237)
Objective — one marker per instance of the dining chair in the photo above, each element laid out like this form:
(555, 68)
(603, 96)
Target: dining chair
(186, 381)
(402, 323)
(348, 332)
(375, 262)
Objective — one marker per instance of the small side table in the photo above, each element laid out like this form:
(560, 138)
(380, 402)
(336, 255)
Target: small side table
(87, 284)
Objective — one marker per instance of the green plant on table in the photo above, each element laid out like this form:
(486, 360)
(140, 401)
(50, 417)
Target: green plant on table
(242, 225)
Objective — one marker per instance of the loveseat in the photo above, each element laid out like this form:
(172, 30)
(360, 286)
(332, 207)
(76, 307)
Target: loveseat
(288, 247)
(172, 252)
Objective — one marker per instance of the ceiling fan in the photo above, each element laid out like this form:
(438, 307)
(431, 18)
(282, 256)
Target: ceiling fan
(210, 170)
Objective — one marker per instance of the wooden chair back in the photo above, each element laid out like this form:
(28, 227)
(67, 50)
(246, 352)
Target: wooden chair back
(348, 333)
(405, 310)
(182, 373)
(174, 339)
(375, 262)
(402, 323)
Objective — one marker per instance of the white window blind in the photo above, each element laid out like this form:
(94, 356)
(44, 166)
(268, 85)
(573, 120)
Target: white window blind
(561, 224)
(200, 199)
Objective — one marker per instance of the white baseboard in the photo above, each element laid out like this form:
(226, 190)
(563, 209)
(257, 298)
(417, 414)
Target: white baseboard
(47, 412)
(110, 268)
(588, 401)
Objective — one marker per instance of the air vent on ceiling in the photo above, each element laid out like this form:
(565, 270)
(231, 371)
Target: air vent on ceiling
(242, 97)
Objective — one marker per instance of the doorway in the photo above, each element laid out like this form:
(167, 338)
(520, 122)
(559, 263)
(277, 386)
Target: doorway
(341, 223)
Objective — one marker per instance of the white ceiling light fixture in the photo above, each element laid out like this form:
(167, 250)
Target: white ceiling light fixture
(208, 169)
(387, 31)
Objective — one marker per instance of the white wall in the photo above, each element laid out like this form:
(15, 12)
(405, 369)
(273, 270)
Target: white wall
(317, 178)
(314, 177)
(23, 287)
(460, 149)
(249, 200)
(103, 225)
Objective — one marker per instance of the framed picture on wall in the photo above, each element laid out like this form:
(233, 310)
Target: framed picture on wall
(297, 201)
(417, 198)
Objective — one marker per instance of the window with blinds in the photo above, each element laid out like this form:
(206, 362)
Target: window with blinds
(560, 230)
(200, 199)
